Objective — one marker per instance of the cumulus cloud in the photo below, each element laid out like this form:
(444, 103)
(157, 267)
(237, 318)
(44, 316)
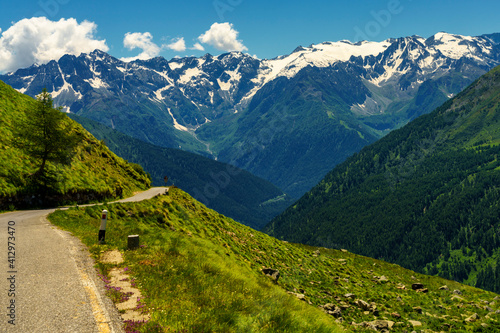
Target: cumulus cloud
(39, 40)
(198, 46)
(223, 37)
(143, 41)
(178, 45)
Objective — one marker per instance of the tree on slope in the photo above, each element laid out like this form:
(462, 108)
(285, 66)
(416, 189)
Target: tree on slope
(46, 135)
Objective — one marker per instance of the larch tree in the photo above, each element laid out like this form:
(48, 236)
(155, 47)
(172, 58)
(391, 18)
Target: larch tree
(46, 135)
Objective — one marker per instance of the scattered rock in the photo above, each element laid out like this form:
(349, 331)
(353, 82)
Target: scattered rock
(396, 315)
(112, 257)
(382, 324)
(363, 305)
(328, 306)
(332, 310)
(383, 279)
(335, 313)
(301, 297)
(130, 305)
(273, 273)
(417, 286)
(350, 296)
(457, 292)
(444, 288)
(417, 309)
(415, 323)
(424, 290)
(376, 325)
(344, 306)
(344, 250)
(472, 318)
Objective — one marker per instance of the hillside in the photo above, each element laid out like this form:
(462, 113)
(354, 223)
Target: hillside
(94, 174)
(202, 272)
(425, 196)
(229, 190)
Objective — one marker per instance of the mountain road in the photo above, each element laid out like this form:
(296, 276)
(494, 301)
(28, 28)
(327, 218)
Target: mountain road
(48, 282)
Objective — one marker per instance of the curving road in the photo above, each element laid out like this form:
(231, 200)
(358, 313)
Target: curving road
(47, 279)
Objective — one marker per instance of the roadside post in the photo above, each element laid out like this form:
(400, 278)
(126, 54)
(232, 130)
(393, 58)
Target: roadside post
(102, 229)
(133, 242)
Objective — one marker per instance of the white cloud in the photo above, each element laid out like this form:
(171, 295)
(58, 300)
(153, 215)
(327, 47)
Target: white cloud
(223, 37)
(39, 40)
(198, 46)
(143, 41)
(179, 45)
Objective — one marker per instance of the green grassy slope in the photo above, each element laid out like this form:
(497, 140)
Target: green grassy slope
(418, 195)
(201, 272)
(229, 190)
(95, 173)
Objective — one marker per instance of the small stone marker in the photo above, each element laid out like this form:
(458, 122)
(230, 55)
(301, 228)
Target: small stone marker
(133, 242)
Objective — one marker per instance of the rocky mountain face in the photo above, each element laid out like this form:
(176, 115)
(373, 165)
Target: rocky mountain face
(290, 119)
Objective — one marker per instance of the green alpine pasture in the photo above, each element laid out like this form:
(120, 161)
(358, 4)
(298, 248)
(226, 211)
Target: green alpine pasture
(202, 272)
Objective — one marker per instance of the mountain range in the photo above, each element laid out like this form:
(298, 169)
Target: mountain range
(288, 120)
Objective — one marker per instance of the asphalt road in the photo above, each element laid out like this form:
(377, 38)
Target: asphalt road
(47, 279)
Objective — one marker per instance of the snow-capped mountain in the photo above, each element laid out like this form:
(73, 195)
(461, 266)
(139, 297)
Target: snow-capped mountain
(212, 104)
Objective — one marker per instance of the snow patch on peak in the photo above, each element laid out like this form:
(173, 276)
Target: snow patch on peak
(97, 83)
(234, 78)
(454, 46)
(175, 65)
(344, 50)
(189, 74)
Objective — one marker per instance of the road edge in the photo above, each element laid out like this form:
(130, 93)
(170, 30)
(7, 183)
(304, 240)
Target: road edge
(106, 315)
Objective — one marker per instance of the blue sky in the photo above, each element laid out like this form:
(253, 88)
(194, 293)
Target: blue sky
(263, 28)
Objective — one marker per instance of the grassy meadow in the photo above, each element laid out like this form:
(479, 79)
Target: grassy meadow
(202, 272)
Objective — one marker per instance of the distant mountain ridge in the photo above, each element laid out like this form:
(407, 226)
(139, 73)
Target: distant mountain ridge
(220, 105)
